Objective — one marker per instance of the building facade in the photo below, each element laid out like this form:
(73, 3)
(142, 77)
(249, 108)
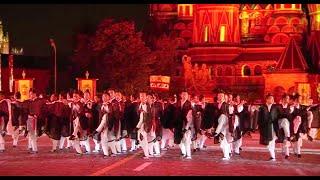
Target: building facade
(251, 49)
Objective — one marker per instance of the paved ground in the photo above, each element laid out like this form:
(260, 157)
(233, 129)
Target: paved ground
(252, 162)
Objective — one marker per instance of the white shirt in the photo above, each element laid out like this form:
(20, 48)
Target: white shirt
(269, 107)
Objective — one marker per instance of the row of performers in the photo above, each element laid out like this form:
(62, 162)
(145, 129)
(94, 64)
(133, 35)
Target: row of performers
(154, 124)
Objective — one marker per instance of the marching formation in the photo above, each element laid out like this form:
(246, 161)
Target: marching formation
(72, 120)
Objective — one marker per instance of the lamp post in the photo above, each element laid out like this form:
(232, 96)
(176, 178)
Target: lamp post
(53, 45)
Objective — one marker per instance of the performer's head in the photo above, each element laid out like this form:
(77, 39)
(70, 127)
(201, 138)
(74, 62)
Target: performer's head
(220, 97)
(150, 99)
(285, 98)
(226, 98)
(111, 93)
(76, 96)
(96, 99)
(86, 94)
(118, 95)
(105, 97)
(230, 97)
(195, 99)
(238, 99)
(32, 93)
(17, 95)
(310, 101)
(53, 97)
(184, 95)
(143, 97)
(269, 99)
(297, 99)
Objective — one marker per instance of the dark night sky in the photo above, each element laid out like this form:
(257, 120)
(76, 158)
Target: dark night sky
(31, 26)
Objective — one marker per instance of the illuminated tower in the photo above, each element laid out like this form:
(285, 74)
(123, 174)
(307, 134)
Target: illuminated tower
(5, 44)
(1, 36)
(216, 23)
(314, 13)
(163, 11)
(287, 20)
(253, 21)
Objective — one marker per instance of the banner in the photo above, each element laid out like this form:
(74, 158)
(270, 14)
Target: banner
(305, 92)
(87, 84)
(160, 82)
(24, 87)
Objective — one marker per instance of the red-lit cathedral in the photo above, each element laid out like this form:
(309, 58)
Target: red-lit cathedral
(251, 49)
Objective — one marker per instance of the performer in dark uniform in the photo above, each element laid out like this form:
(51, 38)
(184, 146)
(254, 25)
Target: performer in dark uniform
(299, 124)
(36, 120)
(5, 116)
(284, 124)
(103, 128)
(197, 112)
(123, 125)
(66, 122)
(268, 125)
(96, 106)
(87, 122)
(131, 117)
(167, 121)
(182, 130)
(78, 131)
(19, 117)
(222, 125)
(145, 126)
(156, 111)
(114, 121)
(52, 125)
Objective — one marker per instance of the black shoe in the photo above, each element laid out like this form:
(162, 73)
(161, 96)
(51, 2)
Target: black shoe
(198, 149)
(286, 157)
(14, 146)
(3, 133)
(1, 151)
(310, 138)
(194, 150)
(299, 155)
(72, 137)
(240, 149)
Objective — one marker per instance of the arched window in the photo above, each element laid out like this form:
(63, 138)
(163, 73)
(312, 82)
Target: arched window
(246, 70)
(219, 71)
(257, 70)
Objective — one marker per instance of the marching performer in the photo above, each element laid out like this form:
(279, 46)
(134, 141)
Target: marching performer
(284, 124)
(182, 131)
(103, 128)
(222, 126)
(78, 133)
(299, 124)
(268, 125)
(167, 121)
(5, 117)
(145, 126)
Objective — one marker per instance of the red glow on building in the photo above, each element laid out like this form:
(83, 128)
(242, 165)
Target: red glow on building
(250, 49)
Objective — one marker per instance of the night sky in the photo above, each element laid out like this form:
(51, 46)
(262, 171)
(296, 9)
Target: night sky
(31, 26)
